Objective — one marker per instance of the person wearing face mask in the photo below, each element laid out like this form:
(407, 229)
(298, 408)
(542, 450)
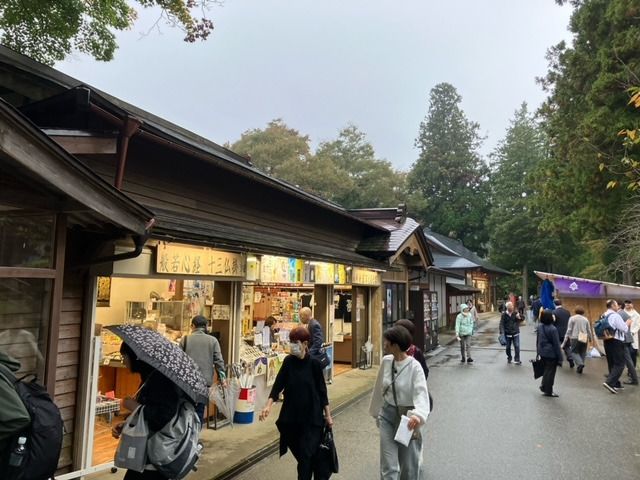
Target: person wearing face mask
(305, 410)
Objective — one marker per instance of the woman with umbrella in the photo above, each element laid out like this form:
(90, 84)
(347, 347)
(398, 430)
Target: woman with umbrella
(168, 376)
(305, 399)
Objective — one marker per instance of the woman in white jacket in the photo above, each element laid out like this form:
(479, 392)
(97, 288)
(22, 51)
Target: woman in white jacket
(400, 389)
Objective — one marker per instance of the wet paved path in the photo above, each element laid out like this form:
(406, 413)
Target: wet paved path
(490, 422)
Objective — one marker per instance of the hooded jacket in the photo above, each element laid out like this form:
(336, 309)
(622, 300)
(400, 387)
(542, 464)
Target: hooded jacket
(13, 414)
(464, 322)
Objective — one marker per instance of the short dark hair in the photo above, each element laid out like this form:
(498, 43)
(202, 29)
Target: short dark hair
(408, 324)
(610, 303)
(299, 334)
(199, 321)
(271, 320)
(546, 316)
(557, 302)
(137, 365)
(399, 336)
(579, 310)
(628, 302)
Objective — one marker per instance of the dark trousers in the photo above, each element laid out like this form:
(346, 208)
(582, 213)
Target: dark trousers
(578, 351)
(549, 375)
(615, 349)
(145, 475)
(628, 361)
(634, 355)
(303, 444)
(515, 339)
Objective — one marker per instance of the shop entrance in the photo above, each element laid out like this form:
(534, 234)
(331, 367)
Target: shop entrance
(342, 329)
(161, 304)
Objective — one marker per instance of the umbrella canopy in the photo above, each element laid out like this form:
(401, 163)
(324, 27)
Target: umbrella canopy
(225, 398)
(166, 357)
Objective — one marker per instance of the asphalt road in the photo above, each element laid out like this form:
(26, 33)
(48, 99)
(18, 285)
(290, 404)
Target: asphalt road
(490, 422)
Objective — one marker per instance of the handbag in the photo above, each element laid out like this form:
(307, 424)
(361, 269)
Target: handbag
(132, 448)
(503, 340)
(322, 358)
(583, 337)
(328, 453)
(538, 368)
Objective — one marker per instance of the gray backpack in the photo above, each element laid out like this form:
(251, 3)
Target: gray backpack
(173, 450)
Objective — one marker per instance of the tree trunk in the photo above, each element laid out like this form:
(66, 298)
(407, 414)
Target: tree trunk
(525, 286)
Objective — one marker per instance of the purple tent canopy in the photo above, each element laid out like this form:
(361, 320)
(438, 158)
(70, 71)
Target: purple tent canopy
(578, 288)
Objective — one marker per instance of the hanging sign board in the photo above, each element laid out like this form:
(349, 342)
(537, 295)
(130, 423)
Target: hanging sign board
(179, 259)
(362, 276)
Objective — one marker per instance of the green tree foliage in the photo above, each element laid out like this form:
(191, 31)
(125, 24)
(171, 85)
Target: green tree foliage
(345, 170)
(275, 150)
(369, 181)
(516, 241)
(49, 30)
(448, 182)
(587, 105)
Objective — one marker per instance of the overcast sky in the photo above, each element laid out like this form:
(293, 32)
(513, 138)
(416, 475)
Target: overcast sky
(322, 64)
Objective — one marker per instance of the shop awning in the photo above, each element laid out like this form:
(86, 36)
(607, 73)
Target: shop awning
(462, 288)
(587, 288)
(168, 227)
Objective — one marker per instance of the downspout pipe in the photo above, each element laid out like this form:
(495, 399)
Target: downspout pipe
(139, 242)
(129, 128)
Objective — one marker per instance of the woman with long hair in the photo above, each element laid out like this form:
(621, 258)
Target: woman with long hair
(305, 410)
(548, 348)
(400, 390)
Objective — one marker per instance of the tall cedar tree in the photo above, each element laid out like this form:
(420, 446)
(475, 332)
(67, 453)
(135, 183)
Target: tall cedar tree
(516, 241)
(448, 182)
(586, 107)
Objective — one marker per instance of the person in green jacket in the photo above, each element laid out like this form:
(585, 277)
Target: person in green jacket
(13, 414)
(465, 328)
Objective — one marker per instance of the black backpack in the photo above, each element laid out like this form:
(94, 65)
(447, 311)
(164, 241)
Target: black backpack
(44, 434)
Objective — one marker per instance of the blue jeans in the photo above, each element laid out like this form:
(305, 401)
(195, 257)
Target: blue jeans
(515, 339)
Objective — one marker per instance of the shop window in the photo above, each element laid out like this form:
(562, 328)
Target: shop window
(26, 240)
(24, 318)
(395, 305)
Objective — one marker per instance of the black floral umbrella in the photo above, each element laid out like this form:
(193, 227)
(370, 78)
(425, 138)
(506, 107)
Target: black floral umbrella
(166, 357)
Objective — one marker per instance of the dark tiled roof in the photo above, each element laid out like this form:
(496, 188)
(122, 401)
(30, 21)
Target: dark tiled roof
(451, 247)
(390, 243)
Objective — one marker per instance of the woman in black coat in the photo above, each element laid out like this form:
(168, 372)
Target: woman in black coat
(548, 348)
(305, 409)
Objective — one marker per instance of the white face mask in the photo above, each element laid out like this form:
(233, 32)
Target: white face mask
(296, 349)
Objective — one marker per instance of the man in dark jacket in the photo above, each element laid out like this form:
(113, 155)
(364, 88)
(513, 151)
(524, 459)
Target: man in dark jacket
(13, 414)
(562, 316)
(510, 328)
(317, 338)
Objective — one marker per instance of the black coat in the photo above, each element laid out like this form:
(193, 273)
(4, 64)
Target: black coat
(548, 344)
(509, 323)
(562, 320)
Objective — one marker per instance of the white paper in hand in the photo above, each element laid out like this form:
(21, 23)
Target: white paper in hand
(403, 434)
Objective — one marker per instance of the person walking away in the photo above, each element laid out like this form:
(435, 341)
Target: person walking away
(562, 316)
(160, 397)
(628, 342)
(548, 349)
(510, 328)
(614, 346)
(474, 313)
(634, 327)
(465, 327)
(413, 350)
(205, 351)
(315, 330)
(578, 335)
(305, 410)
(14, 416)
(400, 389)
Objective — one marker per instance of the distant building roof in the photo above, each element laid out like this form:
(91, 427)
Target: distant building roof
(450, 253)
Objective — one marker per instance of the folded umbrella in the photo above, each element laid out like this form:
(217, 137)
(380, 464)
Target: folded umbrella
(166, 357)
(225, 398)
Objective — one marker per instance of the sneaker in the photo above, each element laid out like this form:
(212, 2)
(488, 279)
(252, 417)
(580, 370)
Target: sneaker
(469, 360)
(552, 394)
(609, 387)
(580, 368)
(630, 382)
(508, 360)
(518, 362)
(571, 364)
(462, 361)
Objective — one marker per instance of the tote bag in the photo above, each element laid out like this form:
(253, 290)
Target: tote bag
(132, 449)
